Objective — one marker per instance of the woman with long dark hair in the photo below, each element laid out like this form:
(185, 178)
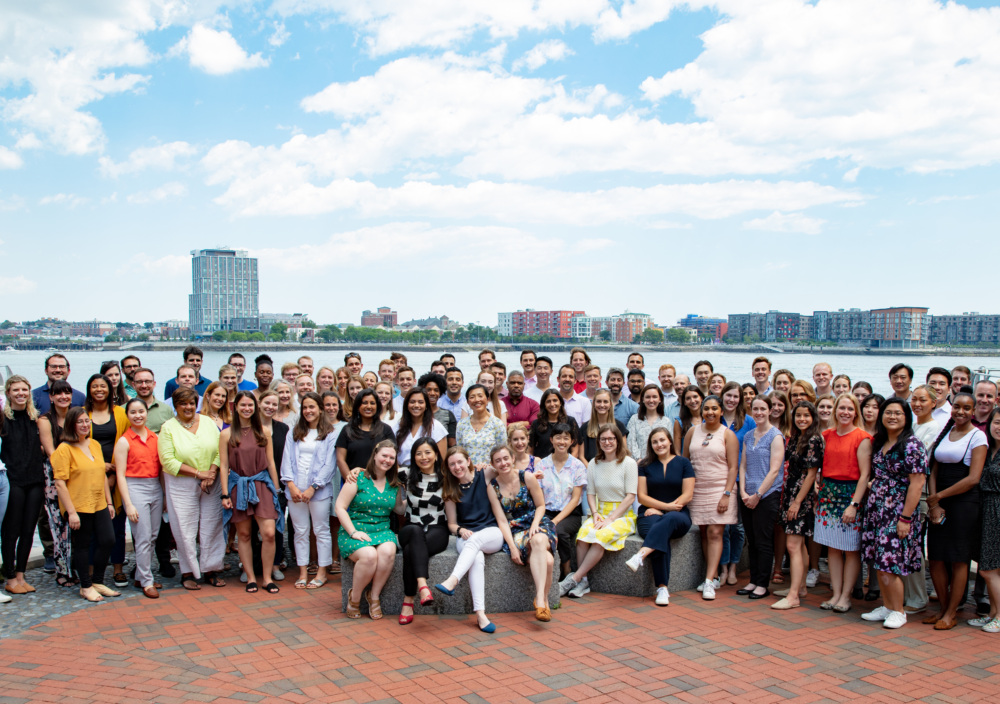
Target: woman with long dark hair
(362, 433)
(649, 416)
(690, 400)
(552, 411)
(891, 523)
(50, 427)
(416, 421)
(113, 372)
(246, 469)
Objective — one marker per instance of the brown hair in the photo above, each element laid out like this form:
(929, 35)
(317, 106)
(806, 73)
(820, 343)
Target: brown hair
(224, 412)
(621, 450)
(255, 425)
(392, 476)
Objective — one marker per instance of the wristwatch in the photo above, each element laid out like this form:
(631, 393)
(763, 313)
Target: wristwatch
(855, 504)
(727, 493)
(315, 487)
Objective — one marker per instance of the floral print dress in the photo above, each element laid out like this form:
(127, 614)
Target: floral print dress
(798, 468)
(520, 510)
(880, 542)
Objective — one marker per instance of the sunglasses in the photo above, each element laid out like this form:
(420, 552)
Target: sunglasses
(707, 438)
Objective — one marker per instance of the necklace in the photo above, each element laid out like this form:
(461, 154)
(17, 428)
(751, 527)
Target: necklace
(186, 426)
(466, 486)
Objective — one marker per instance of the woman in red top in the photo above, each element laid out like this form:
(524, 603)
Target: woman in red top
(847, 459)
(137, 465)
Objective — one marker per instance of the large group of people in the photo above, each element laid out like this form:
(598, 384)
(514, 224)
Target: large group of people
(555, 465)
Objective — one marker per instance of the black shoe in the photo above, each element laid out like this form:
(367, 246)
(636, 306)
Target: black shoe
(858, 593)
(873, 595)
(167, 570)
(753, 595)
(744, 592)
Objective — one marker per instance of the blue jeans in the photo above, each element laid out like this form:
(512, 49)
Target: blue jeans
(733, 538)
(4, 494)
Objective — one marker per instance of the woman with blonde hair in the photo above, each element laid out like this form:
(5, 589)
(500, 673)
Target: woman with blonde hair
(602, 412)
(495, 406)
(342, 375)
(286, 412)
(368, 380)
(215, 405)
(326, 380)
(384, 391)
(781, 412)
(355, 385)
(801, 390)
(782, 380)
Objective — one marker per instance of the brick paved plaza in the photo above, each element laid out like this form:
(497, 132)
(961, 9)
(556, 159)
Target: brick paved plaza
(223, 645)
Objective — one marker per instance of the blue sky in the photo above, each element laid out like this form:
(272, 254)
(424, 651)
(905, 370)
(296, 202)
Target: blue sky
(468, 157)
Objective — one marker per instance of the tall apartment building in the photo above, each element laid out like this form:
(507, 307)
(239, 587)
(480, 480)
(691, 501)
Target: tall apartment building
(965, 329)
(224, 291)
(556, 323)
(384, 317)
(901, 328)
(628, 325)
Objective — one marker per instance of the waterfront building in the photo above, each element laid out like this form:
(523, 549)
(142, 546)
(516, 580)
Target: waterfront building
(384, 317)
(224, 291)
(965, 329)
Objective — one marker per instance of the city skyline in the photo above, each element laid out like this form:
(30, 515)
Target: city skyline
(599, 155)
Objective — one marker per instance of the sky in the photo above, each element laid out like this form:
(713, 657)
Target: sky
(465, 157)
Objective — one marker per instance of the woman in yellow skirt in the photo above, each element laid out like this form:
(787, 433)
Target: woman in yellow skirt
(612, 482)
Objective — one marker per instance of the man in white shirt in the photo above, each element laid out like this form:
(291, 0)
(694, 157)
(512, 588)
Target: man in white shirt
(666, 378)
(592, 377)
(939, 379)
(407, 379)
(822, 376)
(528, 358)
(577, 405)
(543, 374)
(761, 371)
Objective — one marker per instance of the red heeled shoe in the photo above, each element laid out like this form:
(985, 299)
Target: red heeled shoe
(405, 620)
(428, 598)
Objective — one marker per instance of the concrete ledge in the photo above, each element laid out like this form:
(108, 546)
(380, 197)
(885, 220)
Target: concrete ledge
(687, 568)
(509, 587)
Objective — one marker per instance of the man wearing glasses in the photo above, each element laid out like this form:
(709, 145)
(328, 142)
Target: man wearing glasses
(56, 368)
(239, 363)
(129, 365)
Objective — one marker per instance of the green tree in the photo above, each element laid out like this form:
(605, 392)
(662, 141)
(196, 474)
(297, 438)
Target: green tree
(256, 337)
(148, 326)
(652, 335)
(606, 335)
(237, 337)
(111, 338)
(220, 336)
(6, 325)
(275, 337)
(143, 337)
(309, 324)
(678, 335)
(279, 329)
(637, 340)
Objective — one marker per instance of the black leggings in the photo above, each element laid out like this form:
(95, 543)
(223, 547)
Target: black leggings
(657, 532)
(18, 530)
(759, 523)
(96, 527)
(418, 548)
(566, 531)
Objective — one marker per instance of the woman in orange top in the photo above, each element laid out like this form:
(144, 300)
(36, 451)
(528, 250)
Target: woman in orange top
(137, 463)
(85, 497)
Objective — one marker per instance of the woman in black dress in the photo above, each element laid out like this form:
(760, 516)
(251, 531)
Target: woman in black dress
(553, 410)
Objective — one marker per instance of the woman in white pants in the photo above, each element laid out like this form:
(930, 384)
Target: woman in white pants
(188, 446)
(137, 463)
(481, 526)
(307, 468)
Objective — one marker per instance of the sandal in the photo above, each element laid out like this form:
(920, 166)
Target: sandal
(778, 578)
(374, 606)
(251, 587)
(189, 582)
(313, 568)
(214, 579)
(429, 598)
(271, 588)
(334, 568)
(64, 581)
(353, 607)
(301, 584)
(315, 584)
(405, 619)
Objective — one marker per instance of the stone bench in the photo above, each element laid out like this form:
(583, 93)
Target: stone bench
(509, 587)
(687, 568)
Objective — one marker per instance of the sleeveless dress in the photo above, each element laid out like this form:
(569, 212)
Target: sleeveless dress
(369, 512)
(880, 543)
(248, 459)
(841, 455)
(958, 539)
(711, 470)
(989, 487)
(520, 512)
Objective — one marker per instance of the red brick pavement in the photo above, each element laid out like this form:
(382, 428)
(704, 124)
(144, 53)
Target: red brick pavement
(223, 645)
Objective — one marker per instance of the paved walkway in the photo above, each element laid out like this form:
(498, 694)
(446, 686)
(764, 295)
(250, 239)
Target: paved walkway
(223, 645)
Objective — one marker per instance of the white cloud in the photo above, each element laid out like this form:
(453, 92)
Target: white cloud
(635, 16)
(16, 285)
(419, 239)
(893, 84)
(786, 222)
(542, 53)
(216, 52)
(70, 200)
(280, 35)
(171, 266)
(162, 156)
(174, 189)
(10, 159)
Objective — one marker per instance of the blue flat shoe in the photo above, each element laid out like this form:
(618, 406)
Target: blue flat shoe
(444, 590)
(488, 629)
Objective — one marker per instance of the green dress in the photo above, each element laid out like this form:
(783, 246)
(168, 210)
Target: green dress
(369, 511)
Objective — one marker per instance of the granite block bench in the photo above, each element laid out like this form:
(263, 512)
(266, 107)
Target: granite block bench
(687, 568)
(509, 587)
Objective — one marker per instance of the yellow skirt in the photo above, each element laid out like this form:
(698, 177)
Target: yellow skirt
(612, 535)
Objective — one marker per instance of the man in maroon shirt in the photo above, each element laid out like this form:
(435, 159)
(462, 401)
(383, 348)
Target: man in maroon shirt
(520, 408)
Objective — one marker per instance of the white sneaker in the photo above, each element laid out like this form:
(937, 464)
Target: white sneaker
(701, 587)
(812, 577)
(582, 587)
(174, 560)
(708, 593)
(979, 622)
(4, 598)
(634, 562)
(715, 583)
(277, 575)
(879, 614)
(567, 584)
(993, 626)
(243, 577)
(662, 597)
(895, 619)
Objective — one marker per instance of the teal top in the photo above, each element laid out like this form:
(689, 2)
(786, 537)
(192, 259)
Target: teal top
(369, 511)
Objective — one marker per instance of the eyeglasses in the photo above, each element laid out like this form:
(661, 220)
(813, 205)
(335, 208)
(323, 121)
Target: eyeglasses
(707, 438)
(611, 439)
(57, 367)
